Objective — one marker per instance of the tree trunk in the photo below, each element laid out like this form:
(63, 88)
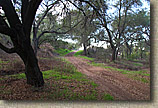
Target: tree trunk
(35, 40)
(33, 74)
(117, 53)
(85, 49)
(113, 58)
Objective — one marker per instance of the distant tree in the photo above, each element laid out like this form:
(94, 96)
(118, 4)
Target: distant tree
(85, 30)
(112, 35)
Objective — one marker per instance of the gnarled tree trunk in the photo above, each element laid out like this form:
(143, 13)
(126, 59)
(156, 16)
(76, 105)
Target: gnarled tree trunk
(19, 32)
(32, 71)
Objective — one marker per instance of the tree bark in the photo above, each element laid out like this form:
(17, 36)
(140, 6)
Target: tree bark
(35, 39)
(117, 51)
(32, 71)
(113, 58)
(85, 49)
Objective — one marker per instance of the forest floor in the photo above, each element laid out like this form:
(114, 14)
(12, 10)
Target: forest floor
(120, 86)
(63, 82)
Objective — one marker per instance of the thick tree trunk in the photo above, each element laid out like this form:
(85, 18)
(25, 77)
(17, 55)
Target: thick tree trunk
(35, 46)
(33, 74)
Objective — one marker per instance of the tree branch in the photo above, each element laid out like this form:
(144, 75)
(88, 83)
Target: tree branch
(7, 50)
(30, 15)
(10, 13)
(56, 32)
(24, 7)
(45, 13)
(7, 31)
(78, 7)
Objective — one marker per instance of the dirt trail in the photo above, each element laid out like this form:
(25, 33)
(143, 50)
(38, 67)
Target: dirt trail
(116, 84)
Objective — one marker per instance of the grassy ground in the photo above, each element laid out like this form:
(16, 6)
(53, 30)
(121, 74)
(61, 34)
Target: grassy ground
(79, 54)
(62, 82)
(62, 52)
(141, 75)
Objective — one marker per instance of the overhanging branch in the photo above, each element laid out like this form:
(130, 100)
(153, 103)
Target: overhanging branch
(78, 7)
(10, 12)
(56, 32)
(45, 13)
(7, 50)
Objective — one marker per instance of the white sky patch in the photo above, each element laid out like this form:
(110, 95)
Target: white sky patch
(70, 41)
(99, 44)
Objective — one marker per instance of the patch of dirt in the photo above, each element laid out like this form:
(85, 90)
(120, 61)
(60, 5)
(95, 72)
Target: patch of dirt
(116, 84)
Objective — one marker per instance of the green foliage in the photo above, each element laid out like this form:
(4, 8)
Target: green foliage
(133, 56)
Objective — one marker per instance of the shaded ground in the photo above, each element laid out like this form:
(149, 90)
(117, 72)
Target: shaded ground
(116, 84)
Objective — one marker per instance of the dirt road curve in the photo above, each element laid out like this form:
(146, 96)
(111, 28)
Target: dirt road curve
(118, 85)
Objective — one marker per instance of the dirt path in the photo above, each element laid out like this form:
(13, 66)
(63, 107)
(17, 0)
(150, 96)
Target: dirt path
(116, 84)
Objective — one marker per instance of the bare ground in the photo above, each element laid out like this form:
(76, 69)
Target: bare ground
(116, 84)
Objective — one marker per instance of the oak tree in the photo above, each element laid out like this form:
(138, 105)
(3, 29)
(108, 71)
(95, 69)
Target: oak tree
(18, 28)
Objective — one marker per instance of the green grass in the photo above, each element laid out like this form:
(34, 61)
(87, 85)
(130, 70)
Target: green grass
(19, 76)
(107, 97)
(78, 53)
(62, 52)
(138, 64)
(68, 77)
(3, 62)
(58, 75)
(88, 58)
